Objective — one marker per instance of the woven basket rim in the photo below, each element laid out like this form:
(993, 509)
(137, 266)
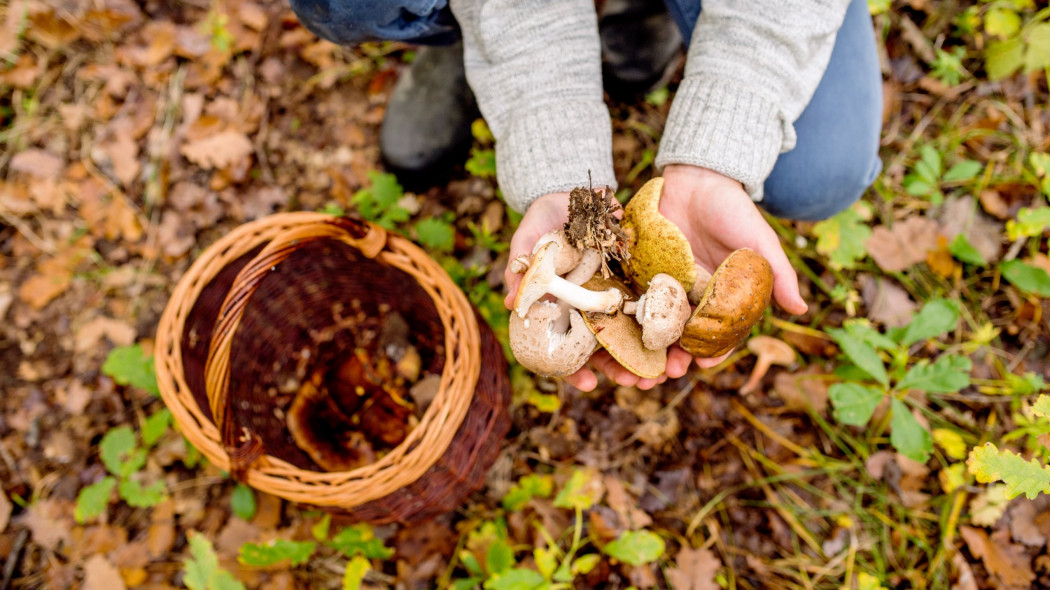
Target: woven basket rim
(403, 464)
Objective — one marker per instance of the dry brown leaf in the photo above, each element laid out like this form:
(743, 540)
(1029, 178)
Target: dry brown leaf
(1023, 525)
(100, 574)
(52, 276)
(886, 301)
(1005, 561)
(992, 201)
(218, 151)
(989, 505)
(118, 332)
(621, 502)
(9, 34)
(37, 163)
(905, 244)
(695, 569)
(51, 30)
(5, 511)
(175, 235)
(237, 532)
(122, 152)
(964, 578)
(960, 215)
(940, 259)
(802, 390)
(24, 74)
(261, 202)
(50, 522)
(877, 462)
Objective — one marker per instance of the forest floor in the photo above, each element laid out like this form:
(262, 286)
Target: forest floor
(133, 135)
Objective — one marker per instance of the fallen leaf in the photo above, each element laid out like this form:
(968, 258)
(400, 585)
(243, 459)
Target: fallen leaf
(802, 390)
(51, 30)
(624, 506)
(5, 511)
(1023, 525)
(100, 574)
(52, 276)
(695, 569)
(9, 40)
(50, 522)
(964, 578)
(37, 163)
(887, 302)
(160, 537)
(24, 74)
(262, 201)
(237, 532)
(904, 245)
(218, 151)
(117, 332)
(1005, 561)
(940, 259)
(989, 505)
(960, 215)
(877, 462)
(992, 202)
(122, 152)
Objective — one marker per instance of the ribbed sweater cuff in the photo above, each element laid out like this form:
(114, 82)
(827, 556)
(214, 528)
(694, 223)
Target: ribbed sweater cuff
(720, 125)
(550, 149)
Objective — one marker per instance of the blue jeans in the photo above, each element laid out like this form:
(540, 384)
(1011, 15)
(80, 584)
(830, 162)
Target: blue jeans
(834, 161)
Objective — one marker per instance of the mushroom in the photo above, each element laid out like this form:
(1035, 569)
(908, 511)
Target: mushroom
(541, 279)
(770, 351)
(551, 340)
(322, 430)
(702, 279)
(734, 300)
(568, 256)
(662, 312)
(619, 334)
(655, 243)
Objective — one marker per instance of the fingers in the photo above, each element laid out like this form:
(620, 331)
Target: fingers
(584, 379)
(678, 361)
(708, 363)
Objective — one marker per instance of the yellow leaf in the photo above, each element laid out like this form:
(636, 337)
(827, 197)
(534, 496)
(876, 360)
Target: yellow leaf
(951, 441)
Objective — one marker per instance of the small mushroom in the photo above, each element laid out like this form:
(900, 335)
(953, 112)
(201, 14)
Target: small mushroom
(734, 300)
(619, 334)
(655, 243)
(551, 340)
(770, 351)
(662, 312)
(568, 256)
(541, 279)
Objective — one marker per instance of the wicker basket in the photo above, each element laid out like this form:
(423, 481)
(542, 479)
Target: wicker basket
(246, 317)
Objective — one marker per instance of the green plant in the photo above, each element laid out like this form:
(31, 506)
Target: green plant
(202, 571)
(437, 233)
(130, 365)
(841, 238)
(867, 382)
(379, 203)
(928, 176)
(988, 463)
(948, 67)
(1015, 46)
(482, 163)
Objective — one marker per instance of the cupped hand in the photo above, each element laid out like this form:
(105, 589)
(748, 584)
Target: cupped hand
(550, 212)
(717, 216)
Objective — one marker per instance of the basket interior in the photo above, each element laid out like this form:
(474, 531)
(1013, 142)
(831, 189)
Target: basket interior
(308, 313)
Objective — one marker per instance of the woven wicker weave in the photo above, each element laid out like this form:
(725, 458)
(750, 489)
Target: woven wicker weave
(249, 312)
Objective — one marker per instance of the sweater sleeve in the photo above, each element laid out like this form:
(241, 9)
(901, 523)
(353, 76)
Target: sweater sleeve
(750, 71)
(535, 68)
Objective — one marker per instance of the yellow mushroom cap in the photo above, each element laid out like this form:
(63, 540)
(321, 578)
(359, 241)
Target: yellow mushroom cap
(621, 335)
(655, 243)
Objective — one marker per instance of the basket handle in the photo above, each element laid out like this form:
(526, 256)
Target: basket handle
(243, 448)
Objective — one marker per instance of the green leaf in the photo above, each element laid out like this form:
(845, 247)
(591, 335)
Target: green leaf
(548, 403)
(948, 375)
(842, 238)
(951, 441)
(930, 165)
(1003, 58)
(436, 234)
(866, 581)
(935, 318)
(585, 563)
(355, 572)
(319, 530)
(909, 437)
(1040, 163)
(499, 558)
(636, 547)
(962, 249)
(242, 502)
(119, 453)
(130, 365)
(1037, 52)
(379, 202)
(358, 539)
(155, 426)
(916, 186)
(1029, 223)
(139, 496)
(202, 569)
(1041, 407)
(516, 579)
(1002, 22)
(528, 487)
(546, 559)
(93, 499)
(1026, 277)
(987, 463)
(276, 551)
(854, 403)
(865, 333)
(965, 170)
(471, 563)
(467, 583)
(578, 493)
(861, 354)
(482, 163)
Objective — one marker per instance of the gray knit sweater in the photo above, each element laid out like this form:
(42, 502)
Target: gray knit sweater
(535, 67)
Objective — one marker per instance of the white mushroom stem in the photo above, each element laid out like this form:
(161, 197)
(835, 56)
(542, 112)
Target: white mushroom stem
(769, 351)
(702, 278)
(568, 256)
(540, 279)
(589, 264)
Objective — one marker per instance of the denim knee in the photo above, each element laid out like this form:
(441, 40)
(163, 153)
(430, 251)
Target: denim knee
(814, 190)
(349, 22)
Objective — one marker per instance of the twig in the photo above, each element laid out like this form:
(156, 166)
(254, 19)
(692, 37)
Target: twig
(27, 232)
(13, 558)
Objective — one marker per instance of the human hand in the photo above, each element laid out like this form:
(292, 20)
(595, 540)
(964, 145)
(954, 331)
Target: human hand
(551, 212)
(717, 217)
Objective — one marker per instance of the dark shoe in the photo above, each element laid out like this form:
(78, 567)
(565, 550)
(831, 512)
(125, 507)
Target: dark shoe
(426, 128)
(640, 42)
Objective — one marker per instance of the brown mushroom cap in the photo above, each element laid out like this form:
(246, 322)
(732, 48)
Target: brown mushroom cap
(622, 336)
(655, 243)
(542, 346)
(735, 299)
(324, 432)
(770, 351)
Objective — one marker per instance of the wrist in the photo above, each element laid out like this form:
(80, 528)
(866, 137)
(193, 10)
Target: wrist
(698, 176)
